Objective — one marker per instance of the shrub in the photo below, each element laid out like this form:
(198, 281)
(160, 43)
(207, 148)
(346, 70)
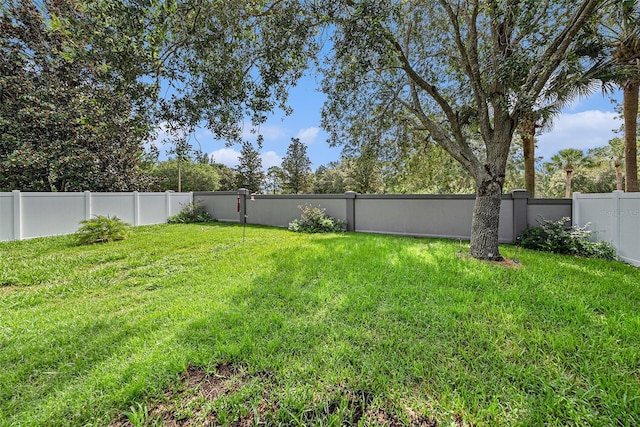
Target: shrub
(557, 237)
(102, 229)
(190, 213)
(314, 220)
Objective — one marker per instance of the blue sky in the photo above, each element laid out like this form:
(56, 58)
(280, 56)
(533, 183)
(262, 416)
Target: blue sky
(587, 123)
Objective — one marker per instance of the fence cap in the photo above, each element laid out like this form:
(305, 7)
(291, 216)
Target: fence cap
(520, 194)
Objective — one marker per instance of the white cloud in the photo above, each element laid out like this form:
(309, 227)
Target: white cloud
(226, 156)
(584, 130)
(270, 158)
(308, 135)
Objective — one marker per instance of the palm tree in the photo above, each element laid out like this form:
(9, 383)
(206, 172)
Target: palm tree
(623, 28)
(569, 160)
(612, 154)
(571, 82)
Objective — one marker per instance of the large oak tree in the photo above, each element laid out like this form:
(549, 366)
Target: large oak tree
(455, 72)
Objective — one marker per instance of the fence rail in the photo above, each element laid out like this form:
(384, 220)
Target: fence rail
(615, 218)
(29, 215)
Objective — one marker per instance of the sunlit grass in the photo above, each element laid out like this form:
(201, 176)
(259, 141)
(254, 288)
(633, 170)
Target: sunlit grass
(89, 332)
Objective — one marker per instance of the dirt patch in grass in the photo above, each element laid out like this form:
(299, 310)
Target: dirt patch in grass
(356, 407)
(190, 402)
(9, 286)
(508, 262)
(196, 401)
(505, 262)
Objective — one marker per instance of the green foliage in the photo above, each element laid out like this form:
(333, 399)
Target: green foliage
(296, 168)
(233, 60)
(195, 176)
(228, 177)
(556, 237)
(330, 179)
(102, 229)
(190, 213)
(249, 173)
(314, 220)
(71, 118)
(364, 170)
(428, 170)
(274, 180)
(138, 414)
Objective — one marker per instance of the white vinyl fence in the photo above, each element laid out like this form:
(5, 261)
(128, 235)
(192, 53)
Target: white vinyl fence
(29, 215)
(615, 218)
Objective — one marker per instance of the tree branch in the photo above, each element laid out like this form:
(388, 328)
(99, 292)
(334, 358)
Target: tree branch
(553, 56)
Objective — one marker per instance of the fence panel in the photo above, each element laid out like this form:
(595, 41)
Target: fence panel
(629, 226)
(223, 206)
(29, 215)
(419, 215)
(153, 208)
(175, 202)
(281, 210)
(547, 209)
(43, 215)
(424, 215)
(615, 218)
(6, 217)
(121, 205)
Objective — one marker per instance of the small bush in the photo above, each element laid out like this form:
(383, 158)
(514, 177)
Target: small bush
(190, 213)
(314, 220)
(102, 229)
(557, 237)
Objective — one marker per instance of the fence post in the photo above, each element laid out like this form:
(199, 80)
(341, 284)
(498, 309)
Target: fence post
(136, 209)
(576, 209)
(87, 204)
(17, 215)
(616, 225)
(242, 200)
(350, 197)
(167, 204)
(520, 219)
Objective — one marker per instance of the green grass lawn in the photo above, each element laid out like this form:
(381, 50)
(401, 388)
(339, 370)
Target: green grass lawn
(331, 329)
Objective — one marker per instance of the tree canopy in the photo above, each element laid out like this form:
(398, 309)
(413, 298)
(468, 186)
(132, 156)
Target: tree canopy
(68, 120)
(451, 72)
(81, 81)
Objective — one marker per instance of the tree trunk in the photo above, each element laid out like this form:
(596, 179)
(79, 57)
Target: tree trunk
(528, 132)
(486, 215)
(630, 111)
(484, 227)
(618, 177)
(567, 188)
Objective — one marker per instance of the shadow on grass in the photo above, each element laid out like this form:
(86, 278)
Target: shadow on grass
(409, 322)
(415, 330)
